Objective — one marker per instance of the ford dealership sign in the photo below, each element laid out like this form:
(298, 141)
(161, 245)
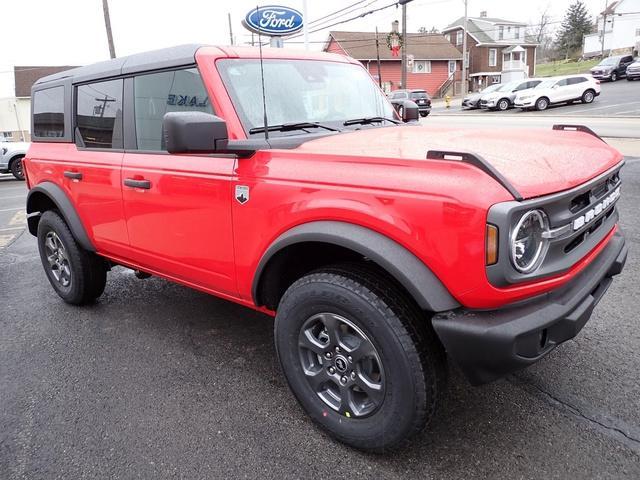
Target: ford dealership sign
(273, 20)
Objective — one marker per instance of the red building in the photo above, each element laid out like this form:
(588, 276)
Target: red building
(433, 62)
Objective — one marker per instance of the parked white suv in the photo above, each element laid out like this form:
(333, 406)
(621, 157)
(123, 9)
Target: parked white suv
(559, 90)
(11, 155)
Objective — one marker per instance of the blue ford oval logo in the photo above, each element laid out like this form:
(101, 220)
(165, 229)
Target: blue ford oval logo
(273, 20)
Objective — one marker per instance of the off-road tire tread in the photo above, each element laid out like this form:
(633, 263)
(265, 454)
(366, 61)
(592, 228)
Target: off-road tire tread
(92, 276)
(410, 325)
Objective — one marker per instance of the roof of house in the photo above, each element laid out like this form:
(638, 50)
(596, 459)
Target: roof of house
(611, 8)
(481, 36)
(26, 76)
(423, 46)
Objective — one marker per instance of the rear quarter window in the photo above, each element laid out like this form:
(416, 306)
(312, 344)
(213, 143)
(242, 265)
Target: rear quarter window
(48, 113)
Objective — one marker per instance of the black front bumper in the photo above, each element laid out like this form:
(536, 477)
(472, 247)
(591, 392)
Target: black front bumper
(487, 345)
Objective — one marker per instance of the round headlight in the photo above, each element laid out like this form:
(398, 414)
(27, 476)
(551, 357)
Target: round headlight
(528, 245)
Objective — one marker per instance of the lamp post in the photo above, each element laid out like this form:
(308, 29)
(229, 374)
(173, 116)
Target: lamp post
(404, 42)
(464, 53)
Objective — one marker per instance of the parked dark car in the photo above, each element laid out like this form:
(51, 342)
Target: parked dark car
(612, 68)
(633, 70)
(419, 97)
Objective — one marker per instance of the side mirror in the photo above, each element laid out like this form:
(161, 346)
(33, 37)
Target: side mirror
(409, 111)
(194, 132)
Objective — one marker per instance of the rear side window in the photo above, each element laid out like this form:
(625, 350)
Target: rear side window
(158, 93)
(48, 113)
(575, 81)
(99, 114)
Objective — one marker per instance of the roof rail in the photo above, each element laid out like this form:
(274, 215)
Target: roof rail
(478, 162)
(577, 128)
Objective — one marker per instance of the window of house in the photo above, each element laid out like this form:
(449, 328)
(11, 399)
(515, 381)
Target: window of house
(99, 114)
(500, 32)
(459, 37)
(452, 66)
(158, 93)
(466, 60)
(495, 79)
(493, 57)
(422, 66)
(517, 32)
(48, 112)
(637, 32)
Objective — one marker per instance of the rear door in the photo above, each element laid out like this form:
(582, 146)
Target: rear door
(562, 91)
(93, 176)
(177, 207)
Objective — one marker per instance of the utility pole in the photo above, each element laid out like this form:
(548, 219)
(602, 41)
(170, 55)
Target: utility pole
(230, 30)
(305, 28)
(104, 101)
(378, 59)
(464, 53)
(404, 44)
(604, 28)
(107, 24)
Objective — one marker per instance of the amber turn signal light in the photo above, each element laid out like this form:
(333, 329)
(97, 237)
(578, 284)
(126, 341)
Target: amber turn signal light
(492, 244)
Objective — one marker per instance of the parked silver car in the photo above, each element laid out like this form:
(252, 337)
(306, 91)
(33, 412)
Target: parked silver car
(503, 97)
(633, 70)
(11, 155)
(472, 100)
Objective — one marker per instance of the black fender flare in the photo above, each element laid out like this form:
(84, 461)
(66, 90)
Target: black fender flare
(400, 263)
(64, 206)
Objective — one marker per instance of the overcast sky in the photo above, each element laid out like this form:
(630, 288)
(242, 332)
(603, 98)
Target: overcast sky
(72, 32)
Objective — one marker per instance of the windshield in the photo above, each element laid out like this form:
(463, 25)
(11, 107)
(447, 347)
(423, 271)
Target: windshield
(546, 84)
(508, 86)
(302, 91)
(491, 88)
(609, 61)
(417, 95)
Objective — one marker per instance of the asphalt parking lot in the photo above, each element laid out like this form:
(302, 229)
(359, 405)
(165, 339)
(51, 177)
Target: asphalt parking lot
(621, 98)
(159, 381)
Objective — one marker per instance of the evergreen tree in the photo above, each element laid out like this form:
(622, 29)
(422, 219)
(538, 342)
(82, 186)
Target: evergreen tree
(575, 25)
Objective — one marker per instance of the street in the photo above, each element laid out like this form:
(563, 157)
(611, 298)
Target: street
(620, 99)
(159, 381)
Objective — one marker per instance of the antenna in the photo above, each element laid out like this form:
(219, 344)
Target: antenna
(264, 98)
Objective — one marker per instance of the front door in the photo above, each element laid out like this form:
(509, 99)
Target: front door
(177, 207)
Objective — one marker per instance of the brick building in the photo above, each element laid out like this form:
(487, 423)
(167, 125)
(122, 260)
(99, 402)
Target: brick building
(434, 64)
(498, 50)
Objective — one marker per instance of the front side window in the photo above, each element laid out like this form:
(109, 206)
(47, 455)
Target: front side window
(158, 93)
(99, 114)
(48, 113)
(301, 91)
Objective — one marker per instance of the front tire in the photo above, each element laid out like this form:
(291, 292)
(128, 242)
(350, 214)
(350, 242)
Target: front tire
(542, 103)
(77, 276)
(359, 356)
(503, 105)
(614, 76)
(16, 168)
(588, 96)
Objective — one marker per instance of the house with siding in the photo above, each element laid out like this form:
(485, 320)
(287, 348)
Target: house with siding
(433, 63)
(498, 50)
(618, 30)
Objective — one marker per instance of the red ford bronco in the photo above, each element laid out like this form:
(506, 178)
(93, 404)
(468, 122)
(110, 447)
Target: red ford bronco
(287, 183)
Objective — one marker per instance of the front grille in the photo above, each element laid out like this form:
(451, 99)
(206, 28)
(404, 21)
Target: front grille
(582, 217)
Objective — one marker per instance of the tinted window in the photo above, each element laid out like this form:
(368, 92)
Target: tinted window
(99, 114)
(48, 112)
(159, 93)
(415, 95)
(563, 82)
(575, 81)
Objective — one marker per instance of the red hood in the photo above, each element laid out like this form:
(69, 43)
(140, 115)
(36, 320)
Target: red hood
(535, 161)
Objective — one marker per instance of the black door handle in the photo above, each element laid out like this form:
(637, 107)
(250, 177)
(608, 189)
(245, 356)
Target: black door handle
(73, 175)
(130, 182)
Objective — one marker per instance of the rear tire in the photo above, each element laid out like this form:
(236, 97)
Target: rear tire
(400, 376)
(542, 103)
(16, 168)
(588, 96)
(77, 276)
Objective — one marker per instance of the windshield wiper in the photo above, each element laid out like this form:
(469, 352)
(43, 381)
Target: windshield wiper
(286, 127)
(368, 120)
